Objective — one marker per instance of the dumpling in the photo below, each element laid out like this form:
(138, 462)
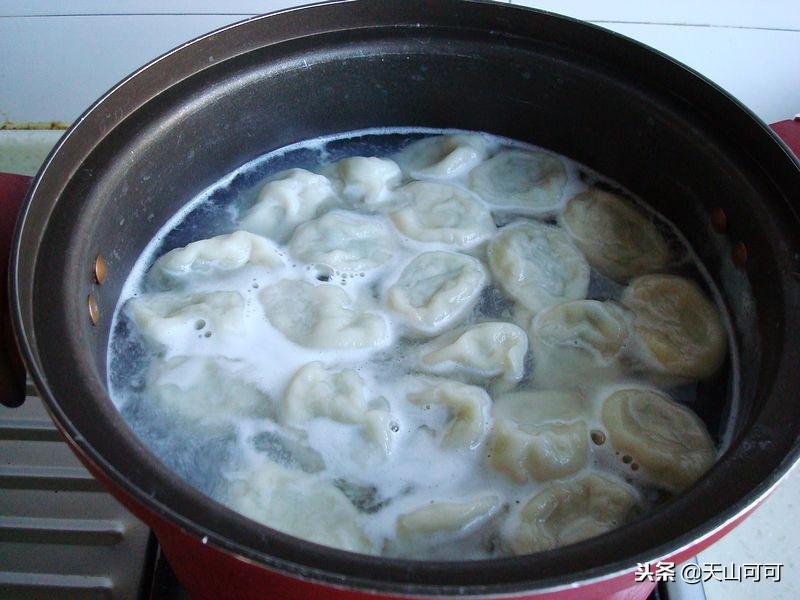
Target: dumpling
(366, 182)
(532, 408)
(618, 239)
(205, 388)
(443, 213)
(445, 517)
(667, 441)
(430, 530)
(467, 409)
(524, 181)
(578, 342)
(444, 156)
(538, 435)
(492, 349)
(321, 316)
(436, 290)
(316, 391)
(340, 395)
(678, 330)
(221, 253)
(288, 199)
(299, 504)
(566, 513)
(537, 265)
(344, 242)
(175, 320)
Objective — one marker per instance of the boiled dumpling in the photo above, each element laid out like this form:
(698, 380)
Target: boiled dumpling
(322, 316)
(442, 213)
(299, 504)
(316, 391)
(431, 529)
(667, 441)
(618, 239)
(578, 342)
(467, 408)
(340, 395)
(446, 517)
(288, 199)
(537, 265)
(169, 318)
(205, 388)
(538, 435)
(678, 330)
(492, 349)
(366, 182)
(532, 408)
(436, 290)
(566, 513)
(344, 242)
(443, 156)
(221, 253)
(520, 180)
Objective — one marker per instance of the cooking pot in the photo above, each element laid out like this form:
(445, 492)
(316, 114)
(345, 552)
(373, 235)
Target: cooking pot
(177, 125)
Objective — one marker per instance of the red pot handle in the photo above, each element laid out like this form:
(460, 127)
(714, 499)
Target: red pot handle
(12, 191)
(12, 370)
(789, 132)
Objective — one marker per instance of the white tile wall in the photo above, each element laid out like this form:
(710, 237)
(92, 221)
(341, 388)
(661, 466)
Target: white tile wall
(58, 56)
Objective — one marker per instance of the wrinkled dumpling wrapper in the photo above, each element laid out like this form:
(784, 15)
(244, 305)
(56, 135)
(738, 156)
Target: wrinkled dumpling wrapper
(678, 330)
(366, 182)
(436, 290)
(521, 180)
(442, 213)
(443, 156)
(299, 504)
(207, 388)
(344, 242)
(666, 440)
(288, 199)
(578, 343)
(225, 252)
(537, 265)
(338, 394)
(566, 513)
(174, 319)
(538, 435)
(321, 316)
(491, 349)
(468, 410)
(616, 237)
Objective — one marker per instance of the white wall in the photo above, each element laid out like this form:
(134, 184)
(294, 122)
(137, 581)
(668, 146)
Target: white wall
(58, 55)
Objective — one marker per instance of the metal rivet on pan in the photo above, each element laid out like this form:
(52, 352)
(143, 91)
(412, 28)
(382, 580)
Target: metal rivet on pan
(739, 254)
(719, 220)
(94, 310)
(99, 269)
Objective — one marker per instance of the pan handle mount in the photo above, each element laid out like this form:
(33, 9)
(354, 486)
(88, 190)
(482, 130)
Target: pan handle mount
(12, 370)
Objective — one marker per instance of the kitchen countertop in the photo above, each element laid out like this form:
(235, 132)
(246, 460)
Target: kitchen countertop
(749, 48)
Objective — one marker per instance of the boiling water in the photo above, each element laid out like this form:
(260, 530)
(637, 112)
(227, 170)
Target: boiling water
(417, 471)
